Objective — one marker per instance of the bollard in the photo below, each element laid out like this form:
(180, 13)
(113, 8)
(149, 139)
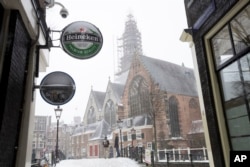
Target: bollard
(191, 160)
(167, 159)
(152, 159)
(141, 154)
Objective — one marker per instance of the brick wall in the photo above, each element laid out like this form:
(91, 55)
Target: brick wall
(12, 89)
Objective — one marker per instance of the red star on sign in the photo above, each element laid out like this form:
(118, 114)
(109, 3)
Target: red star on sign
(81, 29)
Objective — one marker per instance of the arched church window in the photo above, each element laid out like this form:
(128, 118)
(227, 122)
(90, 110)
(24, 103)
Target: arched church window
(91, 115)
(139, 97)
(110, 113)
(174, 117)
(193, 103)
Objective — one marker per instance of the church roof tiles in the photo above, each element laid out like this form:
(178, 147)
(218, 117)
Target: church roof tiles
(171, 77)
(99, 97)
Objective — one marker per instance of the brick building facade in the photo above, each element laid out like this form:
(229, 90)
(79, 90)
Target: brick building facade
(159, 96)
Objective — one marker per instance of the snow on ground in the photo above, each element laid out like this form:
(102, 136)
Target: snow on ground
(112, 162)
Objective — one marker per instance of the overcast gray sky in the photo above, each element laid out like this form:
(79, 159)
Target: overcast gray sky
(160, 22)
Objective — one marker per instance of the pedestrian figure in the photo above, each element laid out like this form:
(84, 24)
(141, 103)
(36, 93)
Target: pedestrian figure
(117, 145)
(106, 146)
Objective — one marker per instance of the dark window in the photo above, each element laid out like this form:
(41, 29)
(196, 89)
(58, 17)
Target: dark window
(231, 52)
(139, 97)
(193, 103)
(91, 115)
(109, 113)
(174, 117)
(233, 40)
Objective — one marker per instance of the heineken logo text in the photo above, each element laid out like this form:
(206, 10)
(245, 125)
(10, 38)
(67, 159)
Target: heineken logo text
(81, 37)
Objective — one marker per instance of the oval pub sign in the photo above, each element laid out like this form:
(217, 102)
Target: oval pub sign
(81, 40)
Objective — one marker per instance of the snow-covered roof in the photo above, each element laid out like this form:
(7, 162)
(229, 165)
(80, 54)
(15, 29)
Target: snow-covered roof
(78, 131)
(98, 129)
(171, 77)
(99, 97)
(140, 120)
(122, 77)
(91, 127)
(117, 90)
(102, 130)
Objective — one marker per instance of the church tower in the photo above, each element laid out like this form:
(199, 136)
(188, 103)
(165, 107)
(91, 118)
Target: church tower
(129, 45)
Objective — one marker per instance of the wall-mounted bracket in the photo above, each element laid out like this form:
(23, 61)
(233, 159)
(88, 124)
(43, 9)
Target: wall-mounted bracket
(48, 45)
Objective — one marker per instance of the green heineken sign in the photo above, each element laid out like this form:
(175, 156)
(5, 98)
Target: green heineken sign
(81, 40)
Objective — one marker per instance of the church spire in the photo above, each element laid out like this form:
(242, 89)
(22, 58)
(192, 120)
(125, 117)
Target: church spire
(129, 45)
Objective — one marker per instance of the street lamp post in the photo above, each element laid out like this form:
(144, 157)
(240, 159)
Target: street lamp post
(132, 135)
(58, 112)
(120, 127)
(132, 138)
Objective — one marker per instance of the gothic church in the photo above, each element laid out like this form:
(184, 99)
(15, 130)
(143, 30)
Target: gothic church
(152, 104)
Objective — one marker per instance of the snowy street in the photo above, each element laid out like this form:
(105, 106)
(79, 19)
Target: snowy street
(113, 162)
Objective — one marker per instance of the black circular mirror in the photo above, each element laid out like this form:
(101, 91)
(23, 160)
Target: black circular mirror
(57, 88)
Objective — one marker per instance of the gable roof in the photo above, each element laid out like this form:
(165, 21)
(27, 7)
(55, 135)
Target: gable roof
(117, 90)
(170, 77)
(102, 130)
(78, 130)
(99, 97)
(98, 130)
